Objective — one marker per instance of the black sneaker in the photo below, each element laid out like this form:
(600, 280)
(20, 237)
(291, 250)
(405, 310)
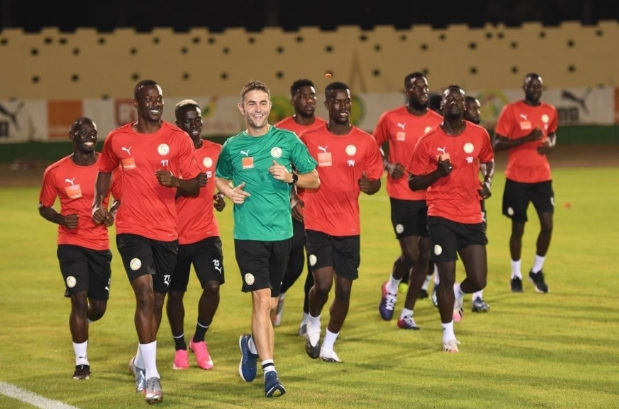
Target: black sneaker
(538, 280)
(423, 294)
(516, 284)
(81, 372)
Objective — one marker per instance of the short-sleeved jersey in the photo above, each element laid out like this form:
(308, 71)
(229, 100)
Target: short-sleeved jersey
(74, 185)
(148, 209)
(524, 163)
(402, 130)
(196, 219)
(290, 124)
(265, 215)
(455, 196)
(333, 208)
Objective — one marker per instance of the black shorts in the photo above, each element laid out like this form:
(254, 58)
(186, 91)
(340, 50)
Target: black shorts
(448, 237)
(207, 259)
(146, 256)
(343, 253)
(409, 217)
(262, 264)
(517, 196)
(85, 270)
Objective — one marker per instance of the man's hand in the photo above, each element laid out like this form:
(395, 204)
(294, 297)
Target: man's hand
(544, 148)
(202, 179)
(165, 178)
(70, 221)
(396, 170)
(444, 167)
(237, 194)
(280, 172)
(485, 192)
(297, 211)
(218, 202)
(535, 135)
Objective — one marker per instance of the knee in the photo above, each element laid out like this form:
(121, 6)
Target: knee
(211, 288)
(175, 296)
(97, 310)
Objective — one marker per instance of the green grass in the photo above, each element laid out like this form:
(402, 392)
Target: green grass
(557, 350)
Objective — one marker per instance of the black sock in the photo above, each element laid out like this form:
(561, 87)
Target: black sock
(179, 342)
(200, 333)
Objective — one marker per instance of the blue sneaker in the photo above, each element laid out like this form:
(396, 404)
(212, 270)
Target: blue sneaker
(247, 366)
(272, 386)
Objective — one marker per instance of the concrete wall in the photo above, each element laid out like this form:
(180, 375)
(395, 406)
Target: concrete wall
(88, 64)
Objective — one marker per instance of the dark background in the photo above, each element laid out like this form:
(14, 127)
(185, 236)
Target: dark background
(253, 15)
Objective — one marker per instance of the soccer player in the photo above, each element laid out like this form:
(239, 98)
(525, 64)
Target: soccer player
(303, 100)
(349, 162)
(199, 244)
(83, 247)
(157, 160)
(401, 128)
(526, 129)
(446, 162)
(254, 171)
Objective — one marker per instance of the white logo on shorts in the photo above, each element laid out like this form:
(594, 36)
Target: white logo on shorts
(438, 249)
(163, 149)
(312, 259)
(510, 211)
(250, 279)
(399, 228)
(552, 201)
(71, 281)
(135, 264)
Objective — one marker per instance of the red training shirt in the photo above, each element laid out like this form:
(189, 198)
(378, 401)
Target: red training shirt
(518, 119)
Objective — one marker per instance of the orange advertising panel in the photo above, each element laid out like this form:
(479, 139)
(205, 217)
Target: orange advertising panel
(60, 117)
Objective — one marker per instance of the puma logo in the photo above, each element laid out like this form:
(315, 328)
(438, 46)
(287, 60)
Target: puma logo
(128, 150)
(70, 181)
(401, 125)
(442, 150)
(246, 153)
(523, 116)
(323, 149)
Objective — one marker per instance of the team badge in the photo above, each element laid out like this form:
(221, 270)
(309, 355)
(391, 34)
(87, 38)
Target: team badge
(135, 264)
(510, 211)
(163, 149)
(438, 250)
(312, 260)
(207, 162)
(250, 279)
(351, 150)
(545, 118)
(71, 281)
(399, 228)
(276, 152)
(468, 147)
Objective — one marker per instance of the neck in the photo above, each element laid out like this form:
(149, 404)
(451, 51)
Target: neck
(453, 126)
(84, 158)
(417, 112)
(142, 126)
(304, 120)
(339, 129)
(263, 130)
(531, 102)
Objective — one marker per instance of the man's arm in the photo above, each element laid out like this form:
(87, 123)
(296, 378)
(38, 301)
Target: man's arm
(501, 143)
(548, 145)
(186, 187)
(102, 187)
(368, 186)
(50, 214)
(234, 193)
(396, 170)
(487, 170)
(420, 182)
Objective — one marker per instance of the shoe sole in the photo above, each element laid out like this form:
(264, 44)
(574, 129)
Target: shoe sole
(154, 399)
(276, 391)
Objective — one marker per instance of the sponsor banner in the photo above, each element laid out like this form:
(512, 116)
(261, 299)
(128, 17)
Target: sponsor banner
(22, 121)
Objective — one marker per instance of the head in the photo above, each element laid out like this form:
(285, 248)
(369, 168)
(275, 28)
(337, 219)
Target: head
(472, 110)
(434, 103)
(84, 135)
(417, 91)
(148, 100)
(255, 105)
(303, 98)
(453, 102)
(533, 87)
(189, 118)
(338, 102)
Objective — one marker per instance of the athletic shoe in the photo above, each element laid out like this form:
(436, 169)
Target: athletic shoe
(423, 294)
(303, 329)
(312, 342)
(538, 280)
(480, 305)
(181, 361)
(272, 386)
(434, 297)
(140, 376)
(153, 392)
(247, 366)
(458, 309)
(203, 358)
(328, 355)
(387, 303)
(451, 346)
(81, 372)
(278, 314)
(516, 284)
(407, 323)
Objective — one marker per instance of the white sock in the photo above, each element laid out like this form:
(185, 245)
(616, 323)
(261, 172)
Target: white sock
(149, 355)
(426, 282)
(406, 313)
(392, 285)
(313, 322)
(478, 294)
(538, 264)
(329, 340)
(268, 366)
(448, 331)
(138, 361)
(305, 319)
(458, 291)
(252, 345)
(81, 356)
(516, 269)
(437, 279)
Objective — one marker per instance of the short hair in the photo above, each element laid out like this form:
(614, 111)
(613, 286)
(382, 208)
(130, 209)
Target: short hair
(531, 76)
(412, 75)
(184, 105)
(335, 86)
(298, 84)
(255, 85)
(469, 98)
(450, 87)
(142, 84)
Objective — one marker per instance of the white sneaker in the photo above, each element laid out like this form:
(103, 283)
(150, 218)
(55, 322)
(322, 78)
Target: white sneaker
(451, 346)
(312, 342)
(328, 355)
